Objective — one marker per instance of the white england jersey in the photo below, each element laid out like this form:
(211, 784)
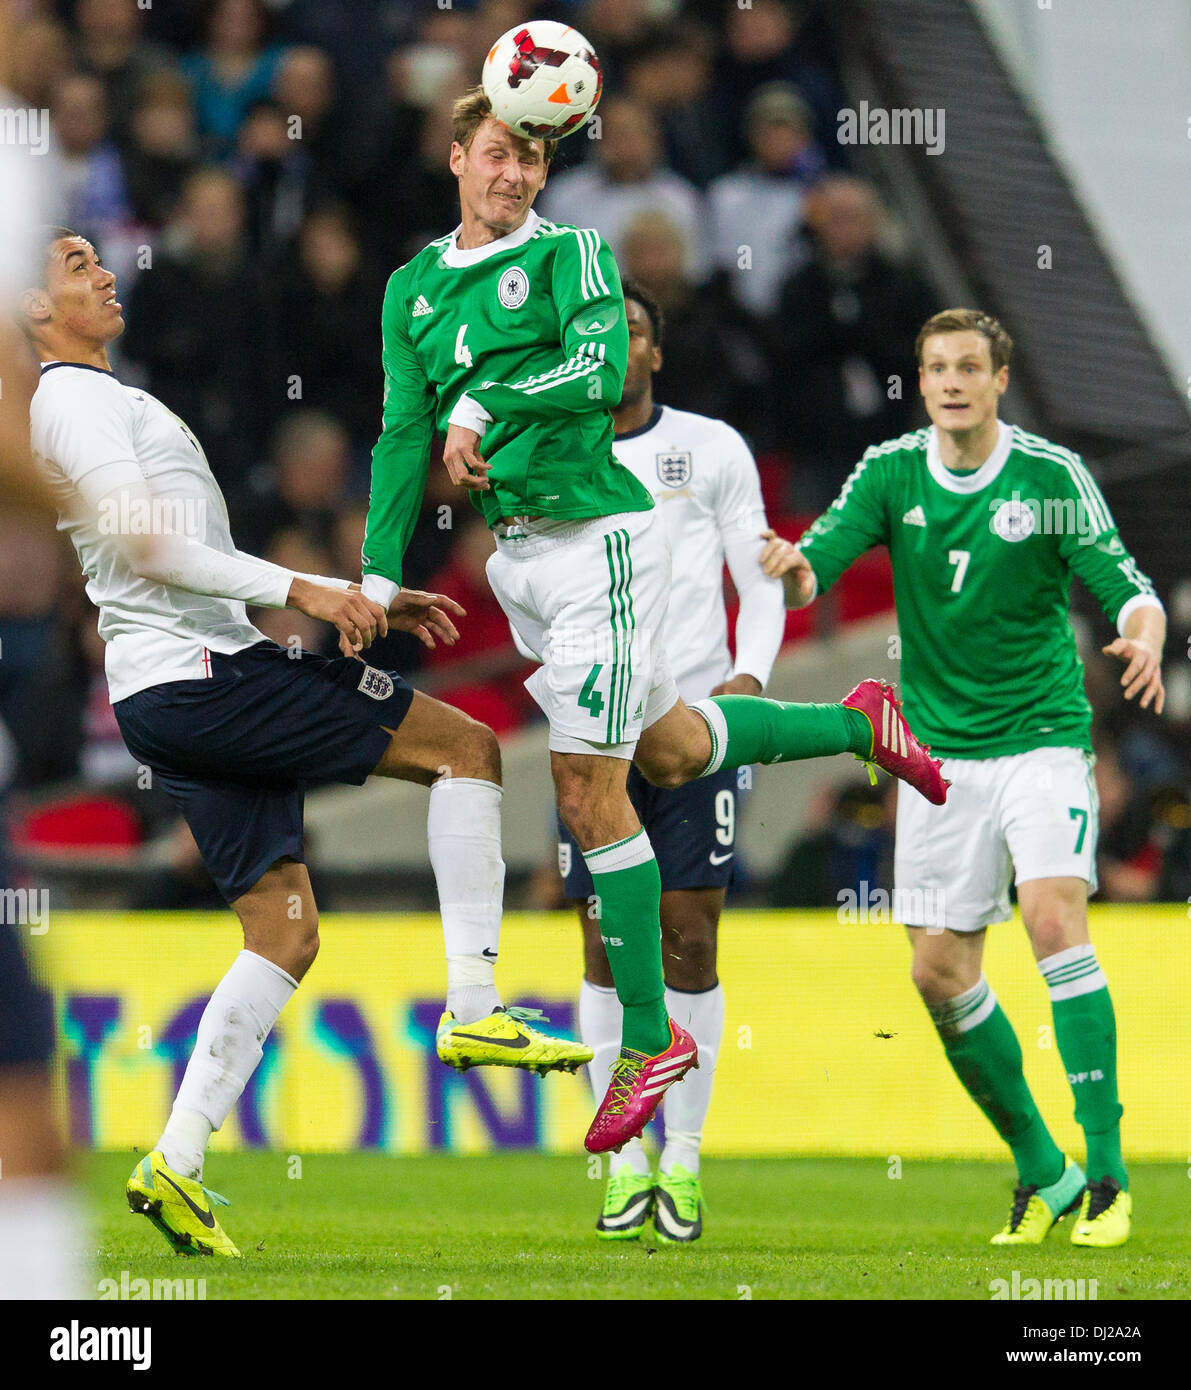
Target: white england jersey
(705, 483)
(120, 463)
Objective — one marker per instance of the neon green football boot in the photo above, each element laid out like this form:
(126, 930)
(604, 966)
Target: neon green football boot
(505, 1039)
(678, 1206)
(1106, 1216)
(1036, 1209)
(628, 1201)
(181, 1208)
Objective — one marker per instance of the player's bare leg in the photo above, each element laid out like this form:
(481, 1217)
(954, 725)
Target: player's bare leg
(985, 1054)
(1055, 911)
(458, 758)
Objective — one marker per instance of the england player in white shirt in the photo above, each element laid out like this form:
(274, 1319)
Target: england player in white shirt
(705, 483)
(236, 727)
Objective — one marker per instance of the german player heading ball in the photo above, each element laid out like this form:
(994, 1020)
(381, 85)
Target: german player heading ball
(543, 80)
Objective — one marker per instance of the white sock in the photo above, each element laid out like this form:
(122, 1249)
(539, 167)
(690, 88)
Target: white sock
(685, 1106)
(44, 1240)
(600, 1019)
(231, 1036)
(463, 832)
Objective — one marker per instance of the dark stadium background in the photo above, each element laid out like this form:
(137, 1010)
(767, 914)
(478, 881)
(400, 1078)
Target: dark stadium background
(252, 264)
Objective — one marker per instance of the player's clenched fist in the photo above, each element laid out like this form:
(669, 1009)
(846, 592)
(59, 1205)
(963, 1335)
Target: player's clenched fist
(783, 560)
(461, 454)
(359, 620)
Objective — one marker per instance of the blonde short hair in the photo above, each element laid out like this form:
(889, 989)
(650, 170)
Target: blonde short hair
(470, 112)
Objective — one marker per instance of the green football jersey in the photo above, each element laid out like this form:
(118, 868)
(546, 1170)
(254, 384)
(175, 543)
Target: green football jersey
(982, 565)
(532, 329)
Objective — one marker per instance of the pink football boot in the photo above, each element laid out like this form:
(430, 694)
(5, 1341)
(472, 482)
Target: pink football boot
(638, 1084)
(894, 746)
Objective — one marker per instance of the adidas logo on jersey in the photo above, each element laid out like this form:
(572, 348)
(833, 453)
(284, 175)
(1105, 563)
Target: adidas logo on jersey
(914, 517)
(421, 307)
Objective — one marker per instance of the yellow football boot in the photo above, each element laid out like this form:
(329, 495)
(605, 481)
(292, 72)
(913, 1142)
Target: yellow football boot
(1106, 1216)
(505, 1039)
(181, 1208)
(1036, 1209)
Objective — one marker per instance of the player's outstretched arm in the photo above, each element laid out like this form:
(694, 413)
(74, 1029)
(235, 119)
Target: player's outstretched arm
(1140, 647)
(781, 559)
(401, 457)
(359, 621)
(1094, 550)
(857, 520)
(740, 520)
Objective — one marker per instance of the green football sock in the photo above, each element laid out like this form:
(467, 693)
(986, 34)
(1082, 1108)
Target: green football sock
(984, 1051)
(1086, 1032)
(628, 896)
(748, 729)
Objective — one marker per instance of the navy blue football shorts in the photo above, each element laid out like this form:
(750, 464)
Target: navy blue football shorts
(692, 829)
(26, 1009)
(237, 750)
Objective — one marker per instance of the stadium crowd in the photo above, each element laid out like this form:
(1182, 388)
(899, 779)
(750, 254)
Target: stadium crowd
(253, 171)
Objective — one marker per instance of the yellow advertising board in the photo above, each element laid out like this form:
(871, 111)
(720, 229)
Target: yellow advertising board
(826, 1047)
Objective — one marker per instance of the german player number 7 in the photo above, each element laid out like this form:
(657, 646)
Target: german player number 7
(958, 558)
(1079, 814)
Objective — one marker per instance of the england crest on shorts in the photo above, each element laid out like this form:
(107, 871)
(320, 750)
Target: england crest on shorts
(513, 289)
(674, 469)
(377, 684)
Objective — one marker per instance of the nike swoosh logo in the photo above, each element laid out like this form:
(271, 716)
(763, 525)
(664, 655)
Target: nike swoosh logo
(488, 953)
(496, 1042)
(721, 858)
(206, 1217)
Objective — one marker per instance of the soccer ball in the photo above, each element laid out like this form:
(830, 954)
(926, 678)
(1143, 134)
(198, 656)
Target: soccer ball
(543, 79)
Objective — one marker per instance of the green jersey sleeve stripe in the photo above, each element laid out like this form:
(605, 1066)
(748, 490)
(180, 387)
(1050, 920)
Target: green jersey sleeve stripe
(580, 369)
(601, 285)
(1088, 488)
(1085, 484)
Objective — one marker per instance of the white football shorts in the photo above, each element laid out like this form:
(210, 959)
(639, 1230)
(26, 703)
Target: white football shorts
(588, 600)
(1032, 815)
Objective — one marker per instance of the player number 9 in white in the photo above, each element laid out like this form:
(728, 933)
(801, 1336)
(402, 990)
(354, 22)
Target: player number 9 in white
(462, 351)
(958, 558)
(725, 816)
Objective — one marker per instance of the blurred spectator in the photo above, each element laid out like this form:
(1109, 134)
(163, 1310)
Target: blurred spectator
(672, 76)
(111, 47)
(41, 58)
(237, 67)
(711, 364)
(29, 573)
(329, 288)
(617, 29)
(625, 179)
(842, 341)
(163, 150)
(194, 321)
(762, 46)
(759, 205)
(305, 90)
(95, 195)
(853, 848)
(304, 485)
(395, 163)
(275, 174)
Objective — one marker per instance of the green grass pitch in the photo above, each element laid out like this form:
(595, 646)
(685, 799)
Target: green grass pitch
(374, 1226)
